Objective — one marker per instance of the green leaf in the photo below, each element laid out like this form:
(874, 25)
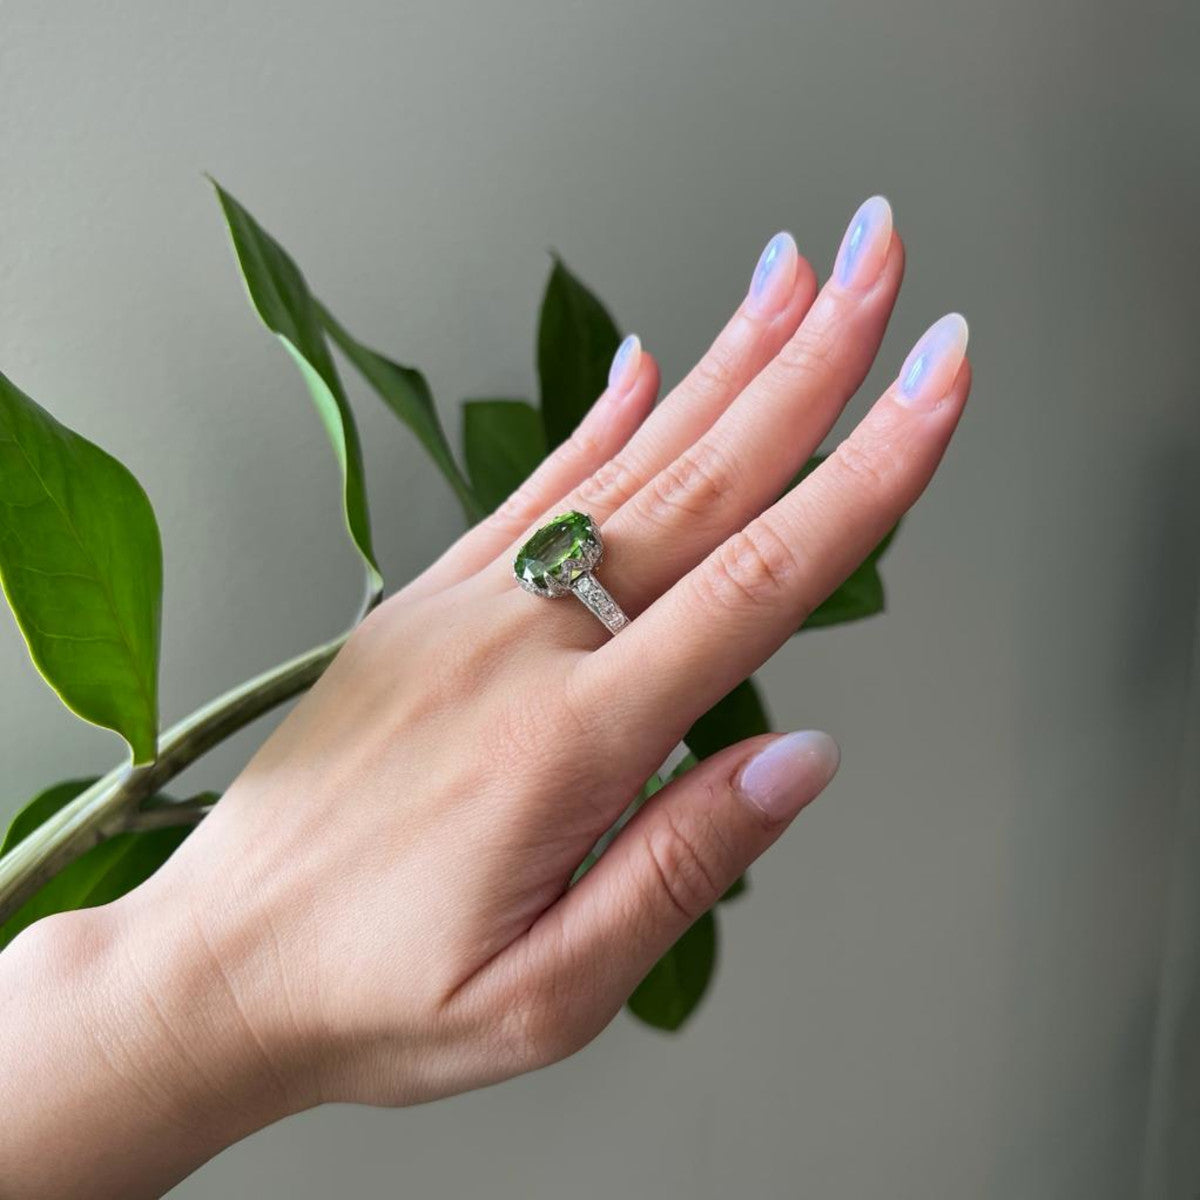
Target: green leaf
(81, 565)
(40, 809)
(739, 715)
(281, 298)
(861, 595)
(576, 343)
(503, 440)
(405, 391)
(739, 887)
(106, 872)
(678, 981)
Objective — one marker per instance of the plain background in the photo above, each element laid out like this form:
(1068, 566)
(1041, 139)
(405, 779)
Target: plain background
(971, 970)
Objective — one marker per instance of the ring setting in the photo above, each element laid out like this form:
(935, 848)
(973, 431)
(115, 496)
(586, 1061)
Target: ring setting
(559, 560)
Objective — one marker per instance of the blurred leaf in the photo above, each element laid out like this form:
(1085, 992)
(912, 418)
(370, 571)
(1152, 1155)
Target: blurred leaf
(287, 308)
(678, 981)
(504, 441)
(576, 343)
(739, 715)
(739, 887)
(106, 872)
(81, 565)
(405, 391)
(861, 595)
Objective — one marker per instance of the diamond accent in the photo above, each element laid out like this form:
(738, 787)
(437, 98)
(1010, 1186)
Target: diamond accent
(592, 593)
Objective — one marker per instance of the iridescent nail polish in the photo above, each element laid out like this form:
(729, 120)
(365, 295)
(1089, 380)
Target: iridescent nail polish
(789, 772)
(625, 363)
(933, 362)
(775, 274)
(864, 246)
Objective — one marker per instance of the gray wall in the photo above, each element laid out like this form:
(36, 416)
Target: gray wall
(947, 980)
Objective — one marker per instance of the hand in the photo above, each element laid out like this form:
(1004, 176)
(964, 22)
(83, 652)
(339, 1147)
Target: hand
(378, 910)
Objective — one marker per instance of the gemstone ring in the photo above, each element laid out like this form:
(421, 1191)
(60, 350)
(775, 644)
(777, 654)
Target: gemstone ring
(558, 561)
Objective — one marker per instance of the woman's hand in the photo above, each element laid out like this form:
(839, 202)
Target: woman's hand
(378, 908)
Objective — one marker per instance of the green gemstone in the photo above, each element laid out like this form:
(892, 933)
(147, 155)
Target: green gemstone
(571, 536)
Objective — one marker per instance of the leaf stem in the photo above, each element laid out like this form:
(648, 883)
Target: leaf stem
(111, 804)
(167, 816)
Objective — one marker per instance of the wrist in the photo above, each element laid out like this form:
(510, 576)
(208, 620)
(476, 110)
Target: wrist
(124, 1063)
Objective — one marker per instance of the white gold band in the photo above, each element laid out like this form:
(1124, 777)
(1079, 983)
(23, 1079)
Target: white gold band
(588, 590)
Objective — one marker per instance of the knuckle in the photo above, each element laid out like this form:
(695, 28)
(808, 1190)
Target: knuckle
(684, 856)
(694, 484)
(609, 486)
(867, 464)
(515, 512)
(753, 566)
(809, 354)
(530, 1033)
(544, 1021)
(545, 1033)
(584, 446)
(717, 373)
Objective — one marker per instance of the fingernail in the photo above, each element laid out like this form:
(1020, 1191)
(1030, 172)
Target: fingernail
(625, 363)
(775, 275)
(781, 779)
(933, 362)
(864, 245)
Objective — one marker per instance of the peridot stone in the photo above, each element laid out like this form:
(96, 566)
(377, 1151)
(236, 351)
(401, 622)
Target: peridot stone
(552, 556)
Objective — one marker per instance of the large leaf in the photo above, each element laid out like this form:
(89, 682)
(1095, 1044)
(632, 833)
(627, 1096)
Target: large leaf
(576, 342)
(106, 872)
(861, 595)
(281, 298)
(503, 442)
(405, 391)
(678, 981)
(81, 565)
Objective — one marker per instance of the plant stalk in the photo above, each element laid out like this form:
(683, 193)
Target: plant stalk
(111, 805)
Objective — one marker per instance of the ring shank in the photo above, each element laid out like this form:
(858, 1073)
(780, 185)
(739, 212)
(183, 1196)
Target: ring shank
(589, 591)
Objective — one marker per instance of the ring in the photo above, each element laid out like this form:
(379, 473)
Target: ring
(558, 561)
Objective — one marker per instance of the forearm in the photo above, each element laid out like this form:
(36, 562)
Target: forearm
(115, 1080)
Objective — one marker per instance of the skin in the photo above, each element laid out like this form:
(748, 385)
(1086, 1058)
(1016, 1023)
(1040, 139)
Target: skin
(377, 910)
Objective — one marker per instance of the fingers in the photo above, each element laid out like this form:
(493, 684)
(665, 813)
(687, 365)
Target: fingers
(781, 291)
(632, 389)
(754, 449)
(725, 618)
(672, 863)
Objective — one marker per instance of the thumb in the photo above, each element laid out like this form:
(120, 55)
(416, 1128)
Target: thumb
(680, 854)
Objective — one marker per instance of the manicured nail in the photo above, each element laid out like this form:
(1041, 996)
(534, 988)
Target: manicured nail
(781, 779)
(865, 244)
(775, 275)
(625, 363)
(933, 362)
